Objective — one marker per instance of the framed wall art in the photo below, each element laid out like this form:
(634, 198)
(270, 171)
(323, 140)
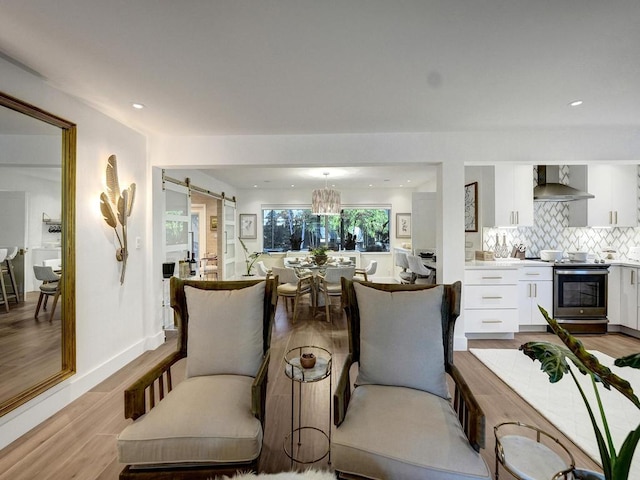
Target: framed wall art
(213, 223)
(471, 207)
(403, 225)
(248, 225)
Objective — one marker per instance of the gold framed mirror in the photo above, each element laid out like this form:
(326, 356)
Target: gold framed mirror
(27, 132)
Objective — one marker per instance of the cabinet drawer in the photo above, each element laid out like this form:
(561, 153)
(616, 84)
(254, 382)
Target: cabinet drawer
(491, 276)
(490, 321)
(533, 274)
(491, 296)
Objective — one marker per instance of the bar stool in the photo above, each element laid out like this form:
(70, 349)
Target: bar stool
(3, 290)
(6, 267)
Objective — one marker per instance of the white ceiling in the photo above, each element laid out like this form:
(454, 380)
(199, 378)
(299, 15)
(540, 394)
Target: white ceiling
(262, 67)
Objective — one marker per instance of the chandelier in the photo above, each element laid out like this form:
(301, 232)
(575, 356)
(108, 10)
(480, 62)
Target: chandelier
(325, 201)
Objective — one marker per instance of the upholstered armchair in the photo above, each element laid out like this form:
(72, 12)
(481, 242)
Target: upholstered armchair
(399, 422)
(211, 423)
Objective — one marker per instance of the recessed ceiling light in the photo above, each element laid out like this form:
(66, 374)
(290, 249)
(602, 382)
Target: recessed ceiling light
(575, 103)
(255, 186)
(292, 185)
(370, 185)
(137, 106)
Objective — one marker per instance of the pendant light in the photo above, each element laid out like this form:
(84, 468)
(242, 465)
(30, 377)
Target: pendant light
(325, 201)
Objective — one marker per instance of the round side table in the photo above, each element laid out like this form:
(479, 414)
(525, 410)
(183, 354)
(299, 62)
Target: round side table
(299, 374)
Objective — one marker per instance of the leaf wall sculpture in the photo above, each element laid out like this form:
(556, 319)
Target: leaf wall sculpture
(116, 206)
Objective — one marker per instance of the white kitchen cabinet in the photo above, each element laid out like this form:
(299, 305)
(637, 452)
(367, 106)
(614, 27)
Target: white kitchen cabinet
(615, 191)
(629, 297)
(513, 195)
(535, 287)
(613, 294)
(490, 300)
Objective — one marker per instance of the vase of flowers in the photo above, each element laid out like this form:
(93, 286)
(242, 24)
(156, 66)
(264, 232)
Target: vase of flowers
(554, 360)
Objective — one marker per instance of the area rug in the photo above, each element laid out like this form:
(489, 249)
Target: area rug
(308, 475)
(561, 403)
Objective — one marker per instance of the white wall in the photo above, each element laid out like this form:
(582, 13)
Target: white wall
(110, 318)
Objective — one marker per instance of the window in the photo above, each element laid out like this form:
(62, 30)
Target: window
(363, 229)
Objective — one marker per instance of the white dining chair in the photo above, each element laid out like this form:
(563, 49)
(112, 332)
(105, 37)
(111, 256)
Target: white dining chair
(368, 270)
(401, 261)
(262, 269)
(421, 274)
(293, 287)
(329, 285)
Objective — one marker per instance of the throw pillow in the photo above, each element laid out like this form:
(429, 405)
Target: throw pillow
(225, 331)
(401, 339)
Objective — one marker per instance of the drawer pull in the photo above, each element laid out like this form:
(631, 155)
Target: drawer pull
(532, 274)
(492, 278)
(492, 298)
(491, 321)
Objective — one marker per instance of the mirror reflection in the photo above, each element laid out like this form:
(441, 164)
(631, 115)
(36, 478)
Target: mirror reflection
(37, 152)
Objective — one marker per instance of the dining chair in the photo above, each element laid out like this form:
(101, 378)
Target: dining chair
(209, 267)
(401, 261)
(6, 268)
(328, 285)
(421, 274)
(368, 270)
(54, 263)
(3, 290)
(292, 286)
(50, 287)
(262, 269)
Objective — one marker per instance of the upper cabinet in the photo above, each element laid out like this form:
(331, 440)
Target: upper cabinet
(615, 190)
(513, 196)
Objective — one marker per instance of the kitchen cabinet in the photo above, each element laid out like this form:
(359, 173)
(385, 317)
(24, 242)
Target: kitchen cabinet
(615, 191)
(490, 300)
(513, 195)
(535, 287)
(613, 294)
(629, 297)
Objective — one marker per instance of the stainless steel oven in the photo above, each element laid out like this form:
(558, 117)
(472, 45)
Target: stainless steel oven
(580, 296)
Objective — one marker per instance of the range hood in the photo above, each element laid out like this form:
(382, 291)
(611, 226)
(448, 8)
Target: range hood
(550, 189)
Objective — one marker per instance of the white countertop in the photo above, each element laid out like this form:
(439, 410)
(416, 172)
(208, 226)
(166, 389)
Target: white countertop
(508, 263)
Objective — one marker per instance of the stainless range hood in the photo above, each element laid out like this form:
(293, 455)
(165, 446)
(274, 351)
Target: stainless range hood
(550, 189)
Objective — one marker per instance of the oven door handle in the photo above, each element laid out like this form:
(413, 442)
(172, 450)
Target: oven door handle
(582, 272)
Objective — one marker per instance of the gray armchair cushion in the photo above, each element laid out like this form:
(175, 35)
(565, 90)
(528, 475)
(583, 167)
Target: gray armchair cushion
(223, 430)
(402, 433)
(225, 331)
(401, 339)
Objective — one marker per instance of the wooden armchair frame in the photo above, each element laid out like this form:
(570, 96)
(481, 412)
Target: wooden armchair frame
(143, 394)
(469, 412)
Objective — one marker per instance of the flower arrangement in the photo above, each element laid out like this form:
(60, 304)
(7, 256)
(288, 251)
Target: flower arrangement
(320, 250)
(250, 258)
(553, 360)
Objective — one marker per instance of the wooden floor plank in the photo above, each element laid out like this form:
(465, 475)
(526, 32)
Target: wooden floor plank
(79, 441)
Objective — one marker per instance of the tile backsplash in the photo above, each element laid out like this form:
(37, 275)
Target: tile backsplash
(551, 230)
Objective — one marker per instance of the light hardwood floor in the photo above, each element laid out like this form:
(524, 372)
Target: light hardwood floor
(79, 441)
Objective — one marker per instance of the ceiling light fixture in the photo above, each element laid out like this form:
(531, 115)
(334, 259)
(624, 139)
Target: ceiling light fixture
(575, 103)
(325, 201)
(137, 106)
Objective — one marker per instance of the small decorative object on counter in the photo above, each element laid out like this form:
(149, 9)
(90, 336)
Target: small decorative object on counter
(307, 360)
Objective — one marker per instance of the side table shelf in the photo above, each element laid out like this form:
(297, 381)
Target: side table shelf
(307, 433)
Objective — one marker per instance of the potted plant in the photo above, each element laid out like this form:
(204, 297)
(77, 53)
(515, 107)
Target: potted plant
(553, 359)
(249, 258)
(320, 255)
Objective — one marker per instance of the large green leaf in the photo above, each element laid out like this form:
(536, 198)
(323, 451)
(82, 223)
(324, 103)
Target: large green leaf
(622, 463)
(552, 358)
(632, 361)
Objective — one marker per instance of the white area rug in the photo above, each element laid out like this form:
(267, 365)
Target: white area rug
(561, 402)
